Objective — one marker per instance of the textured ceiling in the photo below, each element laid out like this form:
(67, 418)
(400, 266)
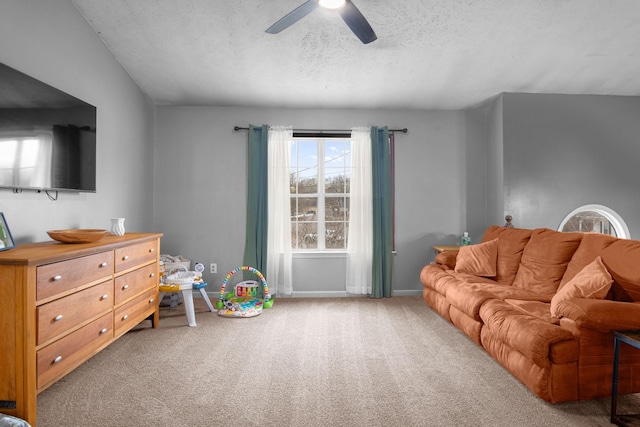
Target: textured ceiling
(430, 54)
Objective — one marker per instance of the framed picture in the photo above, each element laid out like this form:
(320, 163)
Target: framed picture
(6, 240)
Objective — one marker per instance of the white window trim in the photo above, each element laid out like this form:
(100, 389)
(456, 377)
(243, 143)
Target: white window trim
(612, 216)
(320, 254)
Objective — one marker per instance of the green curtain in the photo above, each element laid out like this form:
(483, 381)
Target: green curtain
(255, 247)
(381, 285)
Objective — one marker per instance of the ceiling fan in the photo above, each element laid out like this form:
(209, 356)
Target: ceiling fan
(349, 12)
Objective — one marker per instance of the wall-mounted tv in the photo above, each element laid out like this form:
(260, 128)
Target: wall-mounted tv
(47, 137)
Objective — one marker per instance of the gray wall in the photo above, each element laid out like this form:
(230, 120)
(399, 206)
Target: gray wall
(565, 151)
(484, 165)
(200, 177)
(51, 41)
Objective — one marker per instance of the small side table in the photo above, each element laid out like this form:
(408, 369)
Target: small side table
(631, 338)
(441, 248)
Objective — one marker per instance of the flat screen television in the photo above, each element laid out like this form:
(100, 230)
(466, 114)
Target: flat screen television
(47, 137)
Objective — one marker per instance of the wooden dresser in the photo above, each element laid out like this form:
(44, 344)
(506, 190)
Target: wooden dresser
(60, 304)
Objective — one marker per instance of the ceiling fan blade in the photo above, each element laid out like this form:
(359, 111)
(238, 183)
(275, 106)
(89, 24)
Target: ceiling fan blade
(357, 22)
(292, 17)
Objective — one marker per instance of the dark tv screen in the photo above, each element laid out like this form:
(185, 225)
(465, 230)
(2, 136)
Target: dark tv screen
(47, 137)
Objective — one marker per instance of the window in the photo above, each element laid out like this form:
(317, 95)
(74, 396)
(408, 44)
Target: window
(595, 219)
(320, 176)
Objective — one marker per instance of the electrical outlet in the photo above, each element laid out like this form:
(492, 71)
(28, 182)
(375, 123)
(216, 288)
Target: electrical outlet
(213, 268)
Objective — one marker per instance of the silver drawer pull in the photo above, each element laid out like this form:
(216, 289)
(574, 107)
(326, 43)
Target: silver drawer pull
(57, 359)
(104, 264)
(152, 275)
(58, 317)
(104, 331)
(125, 317)
(152, 250)
(57, 278)
(125, 287)
(151, 301)
(126, 257)
(105, 296)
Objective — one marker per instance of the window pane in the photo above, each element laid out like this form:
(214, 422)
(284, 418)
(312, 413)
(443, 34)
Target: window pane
(336, 181)
(335, 236)
(336, 166)
(335, 208)
(304, 235)
(307, 152)
(304, 184)
(304, 167)
(304, 208)
(308, 184)
(307, 235)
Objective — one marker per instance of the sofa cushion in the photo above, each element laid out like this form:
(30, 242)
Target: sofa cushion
(469, 297)
(536, 339)
(621, 257)
(511, 243)
(537, 309)
(592, 282)
(544, 260)
(478, 259)
(590, 248)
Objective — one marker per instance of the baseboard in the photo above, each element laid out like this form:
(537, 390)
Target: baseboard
(407, 293)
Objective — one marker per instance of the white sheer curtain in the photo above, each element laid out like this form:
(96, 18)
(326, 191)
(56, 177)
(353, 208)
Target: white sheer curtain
(360, 240)
(279, 202)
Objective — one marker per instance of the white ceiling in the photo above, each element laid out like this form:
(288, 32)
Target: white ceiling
(430, 54)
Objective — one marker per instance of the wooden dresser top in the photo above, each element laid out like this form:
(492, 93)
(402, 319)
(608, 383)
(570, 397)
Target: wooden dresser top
(52, 251)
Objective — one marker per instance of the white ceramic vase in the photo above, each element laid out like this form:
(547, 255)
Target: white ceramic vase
(117, 226)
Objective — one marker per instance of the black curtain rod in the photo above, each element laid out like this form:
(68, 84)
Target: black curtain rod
(323, 131)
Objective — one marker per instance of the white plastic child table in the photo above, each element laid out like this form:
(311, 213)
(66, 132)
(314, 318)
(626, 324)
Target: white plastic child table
(187, 296)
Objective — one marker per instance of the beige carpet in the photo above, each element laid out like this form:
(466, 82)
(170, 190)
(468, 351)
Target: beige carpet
(304, 362)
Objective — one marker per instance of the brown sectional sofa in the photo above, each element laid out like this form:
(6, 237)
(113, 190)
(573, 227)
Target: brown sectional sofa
(500, 294)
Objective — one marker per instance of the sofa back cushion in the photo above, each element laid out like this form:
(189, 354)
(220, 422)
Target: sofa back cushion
(622, 258)
(545, 259)
(591, 246)
(511, 243)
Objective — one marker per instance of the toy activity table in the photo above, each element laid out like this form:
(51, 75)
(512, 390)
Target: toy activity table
(186, 282)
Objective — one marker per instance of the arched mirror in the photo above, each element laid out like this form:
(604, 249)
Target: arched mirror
(595, 219)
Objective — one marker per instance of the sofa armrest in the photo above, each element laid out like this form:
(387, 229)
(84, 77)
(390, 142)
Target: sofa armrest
(447, 259)
(601, 315)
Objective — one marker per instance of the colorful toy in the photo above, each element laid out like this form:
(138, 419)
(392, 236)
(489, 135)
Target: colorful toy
(246, 300)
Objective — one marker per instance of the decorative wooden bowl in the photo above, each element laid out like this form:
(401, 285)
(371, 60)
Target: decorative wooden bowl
(77, 236)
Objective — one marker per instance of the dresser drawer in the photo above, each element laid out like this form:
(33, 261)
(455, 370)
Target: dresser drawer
(57, 359)
(133, 255)
(131, 284)
(135, 311)
(61, 315)
(59, 277)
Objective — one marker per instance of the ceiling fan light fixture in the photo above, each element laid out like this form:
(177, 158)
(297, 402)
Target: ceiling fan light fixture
(331, 4)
